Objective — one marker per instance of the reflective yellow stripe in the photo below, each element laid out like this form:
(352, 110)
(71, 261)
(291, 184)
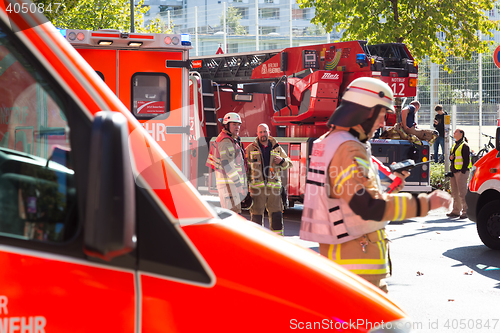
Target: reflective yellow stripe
(345, 175)
(370, 271)
(330, 252)
(360, 261)
(378, 265)
(381, 236)
(233, 174)
(363, 162)
(403, 214)
(396, 209)
(399, 208)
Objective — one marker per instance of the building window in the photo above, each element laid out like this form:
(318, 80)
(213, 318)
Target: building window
(298, 14)
(243, 11)
(269, 13)
(232, 48)
(297, 32)
(267, 30)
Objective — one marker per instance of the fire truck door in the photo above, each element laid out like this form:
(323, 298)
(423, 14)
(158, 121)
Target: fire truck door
(158, 97)
(47, 283)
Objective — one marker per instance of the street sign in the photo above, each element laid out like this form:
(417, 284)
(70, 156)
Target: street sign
(496, 56)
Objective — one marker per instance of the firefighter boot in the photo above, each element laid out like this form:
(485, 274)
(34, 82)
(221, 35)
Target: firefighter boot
(256, 218)
(276, 223)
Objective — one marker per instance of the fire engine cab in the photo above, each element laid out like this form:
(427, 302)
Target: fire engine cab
(483, 196)
(296, 89)
(101, 232)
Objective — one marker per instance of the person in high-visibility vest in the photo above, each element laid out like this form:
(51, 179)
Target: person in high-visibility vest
(459, 173)
(345, 208)
(227, 159)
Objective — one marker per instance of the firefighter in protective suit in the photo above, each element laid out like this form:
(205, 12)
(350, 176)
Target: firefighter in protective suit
(266, 159)
(345, 209)
(227, 159)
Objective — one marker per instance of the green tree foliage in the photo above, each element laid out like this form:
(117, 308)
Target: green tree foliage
(315, 30)
(434, 28)
(233, 18)
(102, 14)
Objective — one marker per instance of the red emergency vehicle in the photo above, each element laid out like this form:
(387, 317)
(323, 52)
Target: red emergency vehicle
(148, 73)
(99, 230)
(483, 196)
(296, 89)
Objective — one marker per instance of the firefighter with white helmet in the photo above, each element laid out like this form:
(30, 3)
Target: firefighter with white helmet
(227, 158)
(345, 209)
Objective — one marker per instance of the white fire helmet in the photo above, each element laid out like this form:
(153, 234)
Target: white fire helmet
(231, 117)
(360, 97)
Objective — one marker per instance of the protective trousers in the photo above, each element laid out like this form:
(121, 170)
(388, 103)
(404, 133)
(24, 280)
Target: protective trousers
(229, 197)
(366, 256)
(458, 191)
(268, 198)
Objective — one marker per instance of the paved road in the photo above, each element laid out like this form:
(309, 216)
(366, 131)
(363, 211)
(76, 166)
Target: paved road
(443, 276)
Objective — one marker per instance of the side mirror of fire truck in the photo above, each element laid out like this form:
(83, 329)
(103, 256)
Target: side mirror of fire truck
(110, 200)
(497, 139)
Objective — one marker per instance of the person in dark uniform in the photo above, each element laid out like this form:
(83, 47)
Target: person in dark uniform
(439, 126)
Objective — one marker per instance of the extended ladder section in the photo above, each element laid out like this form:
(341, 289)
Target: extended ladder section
(209, 109)
(232, 67)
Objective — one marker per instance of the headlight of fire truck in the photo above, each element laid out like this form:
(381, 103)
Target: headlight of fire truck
(471, 174)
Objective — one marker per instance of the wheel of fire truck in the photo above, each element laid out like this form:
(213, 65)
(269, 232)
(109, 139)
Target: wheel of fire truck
(488, 225)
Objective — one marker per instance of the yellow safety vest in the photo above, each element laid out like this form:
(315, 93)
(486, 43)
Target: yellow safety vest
(458, 162)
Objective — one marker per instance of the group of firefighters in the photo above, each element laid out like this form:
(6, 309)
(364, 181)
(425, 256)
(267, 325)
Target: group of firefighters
(254, 173)
(345, 207)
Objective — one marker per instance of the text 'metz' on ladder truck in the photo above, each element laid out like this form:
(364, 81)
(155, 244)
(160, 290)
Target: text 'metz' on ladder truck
(483, 196)
(296, 89)
(94, 216)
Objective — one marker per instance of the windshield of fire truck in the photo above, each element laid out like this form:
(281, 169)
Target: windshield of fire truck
(37, 193)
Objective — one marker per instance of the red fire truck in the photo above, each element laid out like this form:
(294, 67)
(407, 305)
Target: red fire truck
(295, 90)
(483, 196)
(101, 232)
